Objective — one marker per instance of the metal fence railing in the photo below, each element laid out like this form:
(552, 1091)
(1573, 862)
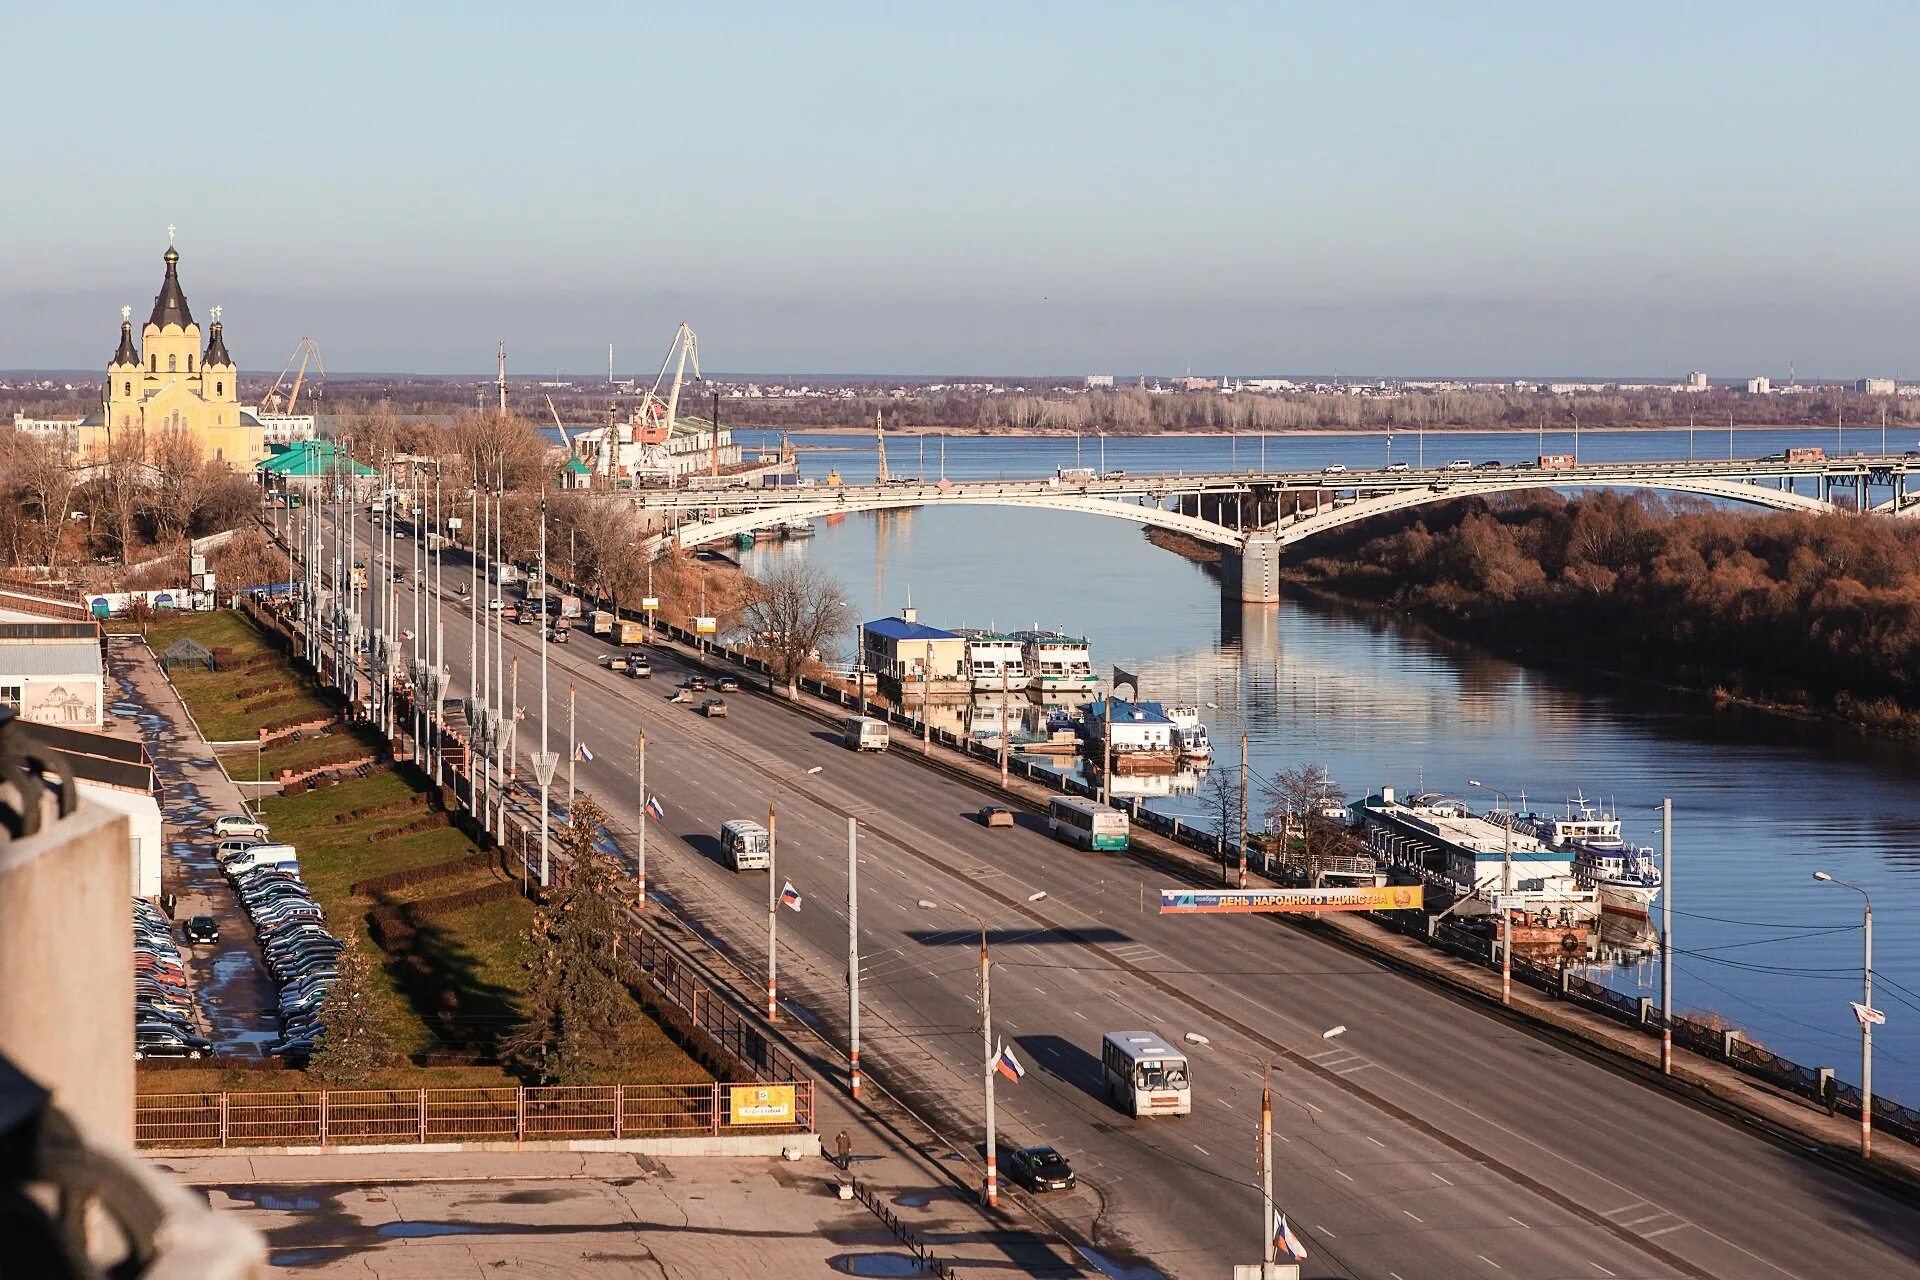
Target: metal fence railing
(342, 1117)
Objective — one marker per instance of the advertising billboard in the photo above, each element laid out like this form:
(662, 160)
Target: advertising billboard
(760, 1104)
(1392, 897)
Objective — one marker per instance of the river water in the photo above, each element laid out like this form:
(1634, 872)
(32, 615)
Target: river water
(1759, 802)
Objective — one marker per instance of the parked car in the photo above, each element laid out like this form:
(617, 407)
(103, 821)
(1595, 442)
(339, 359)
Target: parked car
(1334, 469)
(154, 1043)
(239, 824)
(713, 707)
(1040, 1169)
(202, 931)
(995, 815)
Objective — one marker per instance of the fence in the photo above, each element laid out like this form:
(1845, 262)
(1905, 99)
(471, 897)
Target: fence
(339, 1117)
(929, 1265)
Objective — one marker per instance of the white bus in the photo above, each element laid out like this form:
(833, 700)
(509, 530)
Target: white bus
(1145, 1075)
(1087, 823)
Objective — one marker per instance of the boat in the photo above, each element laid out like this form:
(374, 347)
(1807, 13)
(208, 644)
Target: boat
(1466, 857)
(744, 540)
(797, 527)
(1189, 735)
(1627, 877)
(996, 663)
(1058, 665)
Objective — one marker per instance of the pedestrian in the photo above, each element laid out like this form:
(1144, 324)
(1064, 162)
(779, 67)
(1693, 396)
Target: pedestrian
(843, 1145)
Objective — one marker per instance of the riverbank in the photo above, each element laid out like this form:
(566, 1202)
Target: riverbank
(865, 431)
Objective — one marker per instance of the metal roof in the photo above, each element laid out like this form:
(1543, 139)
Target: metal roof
(49, 658)
(901, 629)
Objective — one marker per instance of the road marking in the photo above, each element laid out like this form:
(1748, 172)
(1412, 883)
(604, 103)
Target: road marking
(1634, 1222)
(1039, 991)
(1623, 1208)
(1080, 1015)
(1323, 1231)
(1202, 1150)
(1347, 1071)
(1375, 1141)
(1516, 1222)
(1662, 1231)
(1411, 1214)
(1442, 1178)
(1602, 1270)
(1343, 1173)
(1489, 1261)
(1308, 1105)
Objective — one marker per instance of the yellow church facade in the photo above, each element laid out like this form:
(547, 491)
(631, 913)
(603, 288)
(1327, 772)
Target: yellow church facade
(170, 383)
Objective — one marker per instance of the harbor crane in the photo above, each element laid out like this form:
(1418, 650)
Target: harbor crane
(304, 352)
(654, 411)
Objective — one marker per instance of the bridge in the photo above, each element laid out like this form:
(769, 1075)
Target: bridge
(1254, 515)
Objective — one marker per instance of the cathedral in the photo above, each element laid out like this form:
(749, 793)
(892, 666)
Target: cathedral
(168, 382)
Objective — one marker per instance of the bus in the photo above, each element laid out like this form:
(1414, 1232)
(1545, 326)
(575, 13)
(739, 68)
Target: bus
(1145, 1075)
(1087, 823)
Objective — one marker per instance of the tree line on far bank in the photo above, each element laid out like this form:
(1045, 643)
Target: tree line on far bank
(1820, 612)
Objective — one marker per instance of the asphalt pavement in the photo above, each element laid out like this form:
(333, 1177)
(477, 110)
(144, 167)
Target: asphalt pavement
(1432, 1140)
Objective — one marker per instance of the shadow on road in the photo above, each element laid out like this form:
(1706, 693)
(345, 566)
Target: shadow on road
(1065, 1061)
(1037, 936)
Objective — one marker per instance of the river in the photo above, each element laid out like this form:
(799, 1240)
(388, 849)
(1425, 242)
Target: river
(1760, 802)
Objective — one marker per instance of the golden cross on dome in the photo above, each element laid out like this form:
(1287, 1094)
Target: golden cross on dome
(169, 233)
(216, 313)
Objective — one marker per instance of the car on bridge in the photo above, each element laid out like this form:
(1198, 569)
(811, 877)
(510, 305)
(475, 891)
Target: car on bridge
(1459, 464)
(1334, 469)
(1399, 466)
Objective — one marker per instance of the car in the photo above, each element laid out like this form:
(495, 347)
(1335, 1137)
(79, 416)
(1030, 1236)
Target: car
(558, 635)
(1459, 464)
(639, 668)
(495, 604)
(1399, 466)
(995, 815)
(1040, 1169)
(1115, 475)
(294, 1050)
(713, 707)
(399, 575)
(727, 684)
(1334, 469)
(1491, 464)
(201, 931)
(694, 684)
(153, 1043)
(239, 824)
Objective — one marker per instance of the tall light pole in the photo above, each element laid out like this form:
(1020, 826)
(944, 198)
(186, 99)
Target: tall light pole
(853, 958)
(1265, 1063)
(543, 764)
(1506, 889)
(1867, 1016)
(990, 1187)
(1666, 937)
(640, 836)
(773, 892)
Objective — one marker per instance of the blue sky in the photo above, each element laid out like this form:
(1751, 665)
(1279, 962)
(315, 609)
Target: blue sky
(1043, 187)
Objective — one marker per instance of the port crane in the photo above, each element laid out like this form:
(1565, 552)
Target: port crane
(304, 352)
(653, 410)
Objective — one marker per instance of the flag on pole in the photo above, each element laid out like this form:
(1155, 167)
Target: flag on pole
(653, 808)
(1122, 676)
(583, 755)
(1008, 1065)
(789, 896)
(1284, 1239)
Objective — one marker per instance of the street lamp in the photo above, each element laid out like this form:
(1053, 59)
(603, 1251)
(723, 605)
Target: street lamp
(1867, 1015)
(990, 1189)
(773, 888)
(1506, 889)
(1266, 1128)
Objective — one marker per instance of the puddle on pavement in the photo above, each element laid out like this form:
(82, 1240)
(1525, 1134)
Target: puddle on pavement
(263, 1199)
(1119, 1270)
(299, 1257)
(430, 1230)
(915, 1199)
(550, 1195)
(877, 1264)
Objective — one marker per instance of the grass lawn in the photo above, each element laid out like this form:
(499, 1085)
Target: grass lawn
(246, 764)
(210, 694)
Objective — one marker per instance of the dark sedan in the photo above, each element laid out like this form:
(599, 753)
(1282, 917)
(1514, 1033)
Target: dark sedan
(1040, 1169)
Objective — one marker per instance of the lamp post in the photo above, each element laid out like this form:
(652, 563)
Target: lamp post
(1266, 1130)
(1506, 888)
(1867, 1015)
(773, 890)
(543, 764)
(640, 836)
(990, 1187)
(853, 958)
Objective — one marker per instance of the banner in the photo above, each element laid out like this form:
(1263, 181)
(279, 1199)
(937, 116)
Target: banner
(760, 1104)
(1392, 897)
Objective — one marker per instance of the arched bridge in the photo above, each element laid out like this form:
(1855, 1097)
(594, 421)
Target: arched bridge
(1256, 514)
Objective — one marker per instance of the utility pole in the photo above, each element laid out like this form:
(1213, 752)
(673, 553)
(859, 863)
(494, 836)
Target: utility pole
(1666, 937)
(1106, 744)
(1006, 724)
(773, 903)
(544, 762)
(853, 957)
(640, 837)
(988, 1056)
(503, 377)
(1243, 805)
(573, 754)
(926, 725)
(1867, 1016)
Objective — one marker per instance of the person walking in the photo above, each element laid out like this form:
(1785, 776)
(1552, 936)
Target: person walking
(843, 1147)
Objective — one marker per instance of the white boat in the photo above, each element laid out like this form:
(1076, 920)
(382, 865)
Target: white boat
(1627, 877)
(1058, 665)
(996, 663)
(1189, 735)
(797, 527)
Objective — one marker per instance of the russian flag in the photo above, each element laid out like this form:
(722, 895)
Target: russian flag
(653, 808)
(583, 755)
(1008, 1065)
(1284, 1239)
(789, 896)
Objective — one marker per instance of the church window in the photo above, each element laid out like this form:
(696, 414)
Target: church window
(219, 454)
(126, 387)
(219, 388)
(170, 364)
(153, 364)
(189, 362)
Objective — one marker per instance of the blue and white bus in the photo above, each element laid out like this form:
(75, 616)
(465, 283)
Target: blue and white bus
(1087, 823)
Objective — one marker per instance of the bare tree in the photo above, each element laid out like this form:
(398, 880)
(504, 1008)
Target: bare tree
(1221, 794)
(792, 613)
(1296, 801)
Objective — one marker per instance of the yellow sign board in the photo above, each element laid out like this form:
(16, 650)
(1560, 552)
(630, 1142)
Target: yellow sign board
(1392, 897)
(760, 1104)
(649, 603)
(705, 624)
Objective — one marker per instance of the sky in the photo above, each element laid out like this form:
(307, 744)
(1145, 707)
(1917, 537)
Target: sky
(1360, 188)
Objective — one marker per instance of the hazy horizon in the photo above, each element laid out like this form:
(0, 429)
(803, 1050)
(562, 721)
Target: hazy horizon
(1089, 188)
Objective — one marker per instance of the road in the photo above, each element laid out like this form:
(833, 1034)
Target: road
(1432, 1140)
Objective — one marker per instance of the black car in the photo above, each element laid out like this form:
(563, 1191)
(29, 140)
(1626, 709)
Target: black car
(727, 684)
(154, 1043)
(201, 929)
(1040, 1169)
(694, 683)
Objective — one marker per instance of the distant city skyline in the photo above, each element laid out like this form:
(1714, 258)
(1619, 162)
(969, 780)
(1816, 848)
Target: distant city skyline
(1482, 190)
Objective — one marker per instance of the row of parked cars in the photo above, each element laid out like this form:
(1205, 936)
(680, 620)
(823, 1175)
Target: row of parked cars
(299, 952)
(163, 1021)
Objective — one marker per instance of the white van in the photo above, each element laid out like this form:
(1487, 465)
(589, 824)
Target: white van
(263, 855)
(864, 733)
(747, 845)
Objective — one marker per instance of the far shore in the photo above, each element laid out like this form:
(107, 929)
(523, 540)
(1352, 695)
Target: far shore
(1014, 433)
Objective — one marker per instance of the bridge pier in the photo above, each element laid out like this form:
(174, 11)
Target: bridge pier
(1253, 572)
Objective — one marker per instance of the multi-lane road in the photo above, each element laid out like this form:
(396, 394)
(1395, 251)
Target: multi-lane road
(1432, 1140)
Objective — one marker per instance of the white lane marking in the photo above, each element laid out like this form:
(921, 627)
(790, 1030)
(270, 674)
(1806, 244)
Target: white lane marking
(1489, 1261)
(1202, 1150)
(1323, 1231)
(1516, 1222)
(1634, 1222)
(1622, 1209)
(1308, 1105)
(1411, 1214)
(1343, 1173)
(1662, 1231)
(1080, 1015)
(1375, 1141)
(1442, 1178)
(1347, 1071)
(1597, 1267)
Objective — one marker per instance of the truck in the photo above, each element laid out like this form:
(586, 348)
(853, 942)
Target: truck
(602, 622)
(1807, 453)
(1555, 462)
(628, 632)
(569, 606)
(864, 733)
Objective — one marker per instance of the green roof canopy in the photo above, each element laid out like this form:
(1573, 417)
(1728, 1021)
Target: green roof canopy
(313, 460)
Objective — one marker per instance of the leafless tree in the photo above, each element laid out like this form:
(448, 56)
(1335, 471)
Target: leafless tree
(1221, 794)
(1295, 803)
(791, 614)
